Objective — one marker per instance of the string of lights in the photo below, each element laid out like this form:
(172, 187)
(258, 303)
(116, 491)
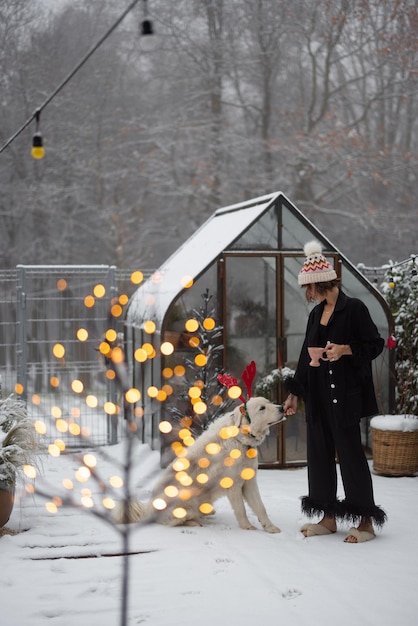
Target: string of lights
(38, 151)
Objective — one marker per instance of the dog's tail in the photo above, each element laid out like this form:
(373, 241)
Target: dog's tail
(129, 512)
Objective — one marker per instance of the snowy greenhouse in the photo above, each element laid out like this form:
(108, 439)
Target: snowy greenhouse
(243, 262)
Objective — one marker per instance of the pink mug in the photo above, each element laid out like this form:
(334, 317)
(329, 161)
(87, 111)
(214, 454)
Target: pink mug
(316, 354)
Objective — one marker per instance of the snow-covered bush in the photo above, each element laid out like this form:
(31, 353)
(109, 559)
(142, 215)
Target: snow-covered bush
(268, 383)
(401, 291)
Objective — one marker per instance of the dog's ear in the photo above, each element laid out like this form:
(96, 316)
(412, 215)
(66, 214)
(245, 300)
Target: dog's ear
(239, 411)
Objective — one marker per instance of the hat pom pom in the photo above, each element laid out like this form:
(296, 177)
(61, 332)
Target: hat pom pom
(312, 247)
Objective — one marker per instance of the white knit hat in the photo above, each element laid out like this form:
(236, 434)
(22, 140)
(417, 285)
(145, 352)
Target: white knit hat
(316, 268)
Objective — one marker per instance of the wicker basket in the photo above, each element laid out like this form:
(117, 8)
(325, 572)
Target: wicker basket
(395, 452)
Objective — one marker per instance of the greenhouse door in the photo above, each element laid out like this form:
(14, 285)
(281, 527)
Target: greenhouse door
(259, 320)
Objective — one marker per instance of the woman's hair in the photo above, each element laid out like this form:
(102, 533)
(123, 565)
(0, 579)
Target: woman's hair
(322, 288)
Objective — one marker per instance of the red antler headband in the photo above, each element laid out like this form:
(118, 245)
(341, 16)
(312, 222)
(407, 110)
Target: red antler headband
(248, 376)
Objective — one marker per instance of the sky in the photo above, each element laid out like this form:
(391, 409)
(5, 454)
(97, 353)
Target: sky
(55, 570)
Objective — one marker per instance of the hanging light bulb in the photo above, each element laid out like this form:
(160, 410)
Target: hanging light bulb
(146, 24)
(38, 151)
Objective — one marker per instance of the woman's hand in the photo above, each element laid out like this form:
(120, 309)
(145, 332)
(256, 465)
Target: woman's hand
(335, 351)
(290, 405)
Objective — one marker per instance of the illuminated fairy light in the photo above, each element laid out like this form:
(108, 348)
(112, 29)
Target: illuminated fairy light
(90, 460)
(149, 349)
(179, 371)
(228, 432)
(54, 381)
(140, 355)
(99, 291)
(167, 348)
(181, 464)
(87, 502)
(36, 399)
(216, 400)
(74, 429)
(133, 395)
(194, 392)
(123, 299)
(51, 507)
(194, 342)
(29, 471)
(111, 335)
(137, 277)
(159, 504)
(234, 392)
(116, 482)
(56, 412)
(201, 360)
(61, 284)
(248, 473)
(191, 325)
(229, 461)
(165, 427)
(208, 323)
(118, 355)
(82, 334)
(54, 450)
(200, 408)
(186, 282)
(68, 484)
(40, 427)
(19, 389)
(235, 453)
(75, 412)
(83, 474)
(167, 389)
(110, 408)
(149, 327)
(226, 482)
(186, 421)
(252, 453)
(202, 478)
(77, 386)
(61, 425)
(184, 479)
(171, 491)
(167, 372)
(206, 508)
(179, 513)
(58, 351)
(91, 401)
(203, 463)
(89, 301)
(213, 448)
(185, 494)
(108, 503)
(152, 391)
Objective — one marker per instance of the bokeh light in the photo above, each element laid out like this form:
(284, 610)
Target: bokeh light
(209, 323)
(99, 291)
(150, 327)
(191, 325)
(167, 348)
(137, 277)
(82, 334)
(58, 351)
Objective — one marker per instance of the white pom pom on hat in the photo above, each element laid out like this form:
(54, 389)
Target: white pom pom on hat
(316, 268)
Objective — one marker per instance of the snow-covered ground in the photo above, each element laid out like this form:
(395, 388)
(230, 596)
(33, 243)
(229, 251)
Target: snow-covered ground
(217, 574)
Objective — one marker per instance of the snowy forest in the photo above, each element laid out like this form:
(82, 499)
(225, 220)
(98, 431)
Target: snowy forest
(226, 101)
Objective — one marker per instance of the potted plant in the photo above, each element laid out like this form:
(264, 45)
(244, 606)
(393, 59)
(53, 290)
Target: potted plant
(395, 437)
(18, 447)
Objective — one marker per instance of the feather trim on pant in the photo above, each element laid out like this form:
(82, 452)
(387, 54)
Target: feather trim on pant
(352, 513)
(313, 507)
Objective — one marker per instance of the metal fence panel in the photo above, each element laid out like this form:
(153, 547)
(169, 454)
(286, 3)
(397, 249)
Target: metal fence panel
(45, 307)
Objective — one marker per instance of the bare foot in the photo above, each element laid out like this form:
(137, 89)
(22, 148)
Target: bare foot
(366, 526)
(328, 522)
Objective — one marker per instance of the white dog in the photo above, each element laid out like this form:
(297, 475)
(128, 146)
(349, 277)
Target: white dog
(222, 461)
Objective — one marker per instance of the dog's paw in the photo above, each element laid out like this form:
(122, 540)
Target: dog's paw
(271, 528)
(248, 526)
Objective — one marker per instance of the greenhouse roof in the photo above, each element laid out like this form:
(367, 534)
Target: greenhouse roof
(152, 299)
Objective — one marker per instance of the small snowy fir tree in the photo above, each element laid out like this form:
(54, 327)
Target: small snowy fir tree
(202, 398)
(401, 291)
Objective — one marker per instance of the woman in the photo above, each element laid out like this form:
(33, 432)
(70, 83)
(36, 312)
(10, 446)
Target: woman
(337, 394)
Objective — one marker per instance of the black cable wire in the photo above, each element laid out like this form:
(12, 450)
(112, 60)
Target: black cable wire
(66, 80)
